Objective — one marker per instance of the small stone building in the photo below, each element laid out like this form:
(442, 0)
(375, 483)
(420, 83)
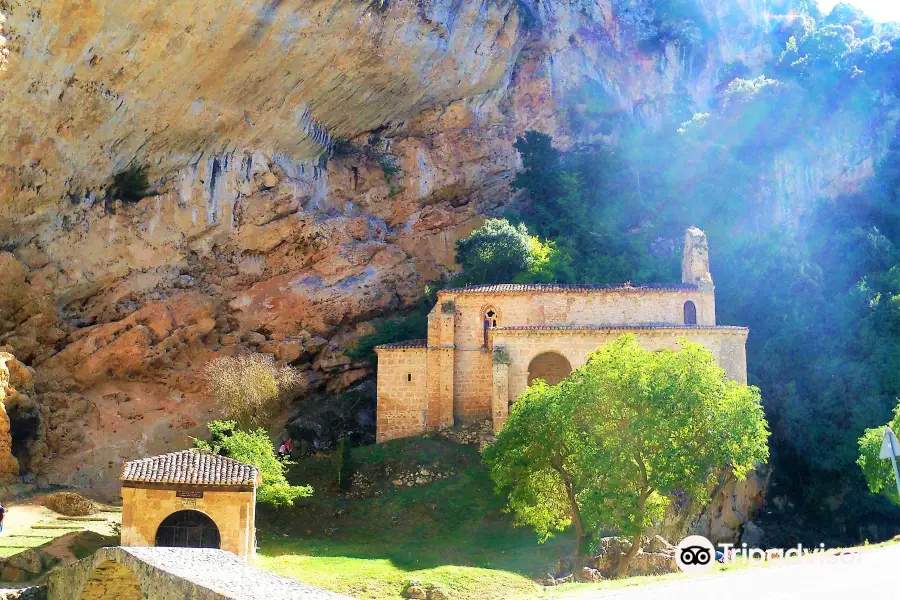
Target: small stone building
(487, 343)
(192, 499)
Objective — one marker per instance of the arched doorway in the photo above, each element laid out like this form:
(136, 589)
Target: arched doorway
(187, 529)
(111, 581)
(549, 366)
(690, 313)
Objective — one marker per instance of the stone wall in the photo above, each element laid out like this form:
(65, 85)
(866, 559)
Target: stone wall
(472, 385)
(728, 345)
(402, 379)
(174, 574)
(635, 306)
(234, 513)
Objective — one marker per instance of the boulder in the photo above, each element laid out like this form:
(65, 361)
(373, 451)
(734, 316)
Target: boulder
(752, 535)
(13, 574)
(28, 561)
(438, 593)
(658, 543)
(414, 591)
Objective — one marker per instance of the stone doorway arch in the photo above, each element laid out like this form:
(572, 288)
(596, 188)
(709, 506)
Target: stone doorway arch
(552, 367)
(111, 581)
(188, 529)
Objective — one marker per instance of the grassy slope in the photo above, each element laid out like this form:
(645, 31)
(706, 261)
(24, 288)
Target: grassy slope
(451, 533)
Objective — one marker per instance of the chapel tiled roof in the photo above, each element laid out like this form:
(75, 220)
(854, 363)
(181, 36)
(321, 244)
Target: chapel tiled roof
(640, 326)
(501, 288)
(403, 345)
(195, 467)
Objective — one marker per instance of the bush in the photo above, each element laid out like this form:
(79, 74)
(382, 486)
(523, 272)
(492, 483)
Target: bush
(255, 448)
(70, 504)
(251, 389)
(130, 185)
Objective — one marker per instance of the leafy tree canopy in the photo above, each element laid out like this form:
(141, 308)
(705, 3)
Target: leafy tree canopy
(879, 472)
(609, 447)
(255, 448)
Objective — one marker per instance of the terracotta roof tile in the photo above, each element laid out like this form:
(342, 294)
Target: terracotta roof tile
(573, 287)
(403, 345)
(194, 467)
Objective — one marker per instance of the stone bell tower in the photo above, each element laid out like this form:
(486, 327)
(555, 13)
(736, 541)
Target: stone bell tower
(695, 260)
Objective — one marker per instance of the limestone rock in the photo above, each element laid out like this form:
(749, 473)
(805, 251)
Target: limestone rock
(752, 535)
(27, 560)
(246, 227)
(414, 591)
(9, 466)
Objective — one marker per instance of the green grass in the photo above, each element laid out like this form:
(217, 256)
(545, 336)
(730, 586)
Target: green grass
(452, 533)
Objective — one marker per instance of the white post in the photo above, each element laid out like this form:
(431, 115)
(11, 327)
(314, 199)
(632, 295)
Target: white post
(891, 437)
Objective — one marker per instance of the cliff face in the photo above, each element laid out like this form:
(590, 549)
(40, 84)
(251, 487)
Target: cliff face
(310, 166)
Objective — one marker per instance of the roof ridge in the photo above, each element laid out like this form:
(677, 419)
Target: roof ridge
(524, 287)
(194, 466)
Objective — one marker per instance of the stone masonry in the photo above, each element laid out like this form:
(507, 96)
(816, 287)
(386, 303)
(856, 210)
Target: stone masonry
(487, 343)
(174, 574)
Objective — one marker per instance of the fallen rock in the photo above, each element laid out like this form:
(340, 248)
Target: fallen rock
(752, 535)
(415, 591)
(437, 593)
(28, 561)
(29, 593)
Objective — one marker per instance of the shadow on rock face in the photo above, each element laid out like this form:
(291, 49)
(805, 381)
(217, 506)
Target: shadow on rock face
(319, 422)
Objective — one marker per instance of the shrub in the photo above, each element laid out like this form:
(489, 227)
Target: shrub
(250, 389)
(255, 448)
(130, 185)
(70, 504)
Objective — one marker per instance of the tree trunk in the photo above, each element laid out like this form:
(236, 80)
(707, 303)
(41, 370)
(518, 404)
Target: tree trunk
(580, 540)
(622, 570)
(707, 511)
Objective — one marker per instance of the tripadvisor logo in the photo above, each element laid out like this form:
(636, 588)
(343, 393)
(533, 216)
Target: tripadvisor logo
(695, 554)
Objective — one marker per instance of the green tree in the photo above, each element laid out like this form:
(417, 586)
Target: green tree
(496, 252)
(255, 448)
(879, 472)
(609, 447)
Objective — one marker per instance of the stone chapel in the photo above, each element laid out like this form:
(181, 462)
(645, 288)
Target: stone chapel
(487, 343)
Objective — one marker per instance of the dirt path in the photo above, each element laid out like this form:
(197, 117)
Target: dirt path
(21, 517)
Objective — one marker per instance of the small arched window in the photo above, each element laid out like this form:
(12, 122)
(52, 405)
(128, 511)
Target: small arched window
(690, 313)
(490, 320)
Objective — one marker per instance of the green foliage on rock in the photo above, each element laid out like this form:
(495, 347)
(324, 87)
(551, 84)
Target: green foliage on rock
(611, 446)
(500, 252)
(254, 448)
(130, 185)
(879, 472)
(494, 252)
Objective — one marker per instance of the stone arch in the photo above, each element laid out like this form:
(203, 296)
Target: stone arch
(690, 313)
(188, 529)
(111, 581)
(550, 366)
